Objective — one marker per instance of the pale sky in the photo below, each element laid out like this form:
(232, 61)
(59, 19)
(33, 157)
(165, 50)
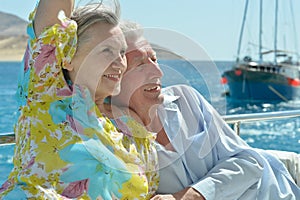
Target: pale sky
(212, 25)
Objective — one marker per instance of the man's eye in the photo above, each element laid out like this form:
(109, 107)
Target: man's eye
(154, 59)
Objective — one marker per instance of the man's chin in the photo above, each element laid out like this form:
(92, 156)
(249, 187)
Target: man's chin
(161, 98)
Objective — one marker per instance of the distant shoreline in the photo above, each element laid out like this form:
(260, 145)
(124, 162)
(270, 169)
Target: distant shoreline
(13, 56)
(12, 48)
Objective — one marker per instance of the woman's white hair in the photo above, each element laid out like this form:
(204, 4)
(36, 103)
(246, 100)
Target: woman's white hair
(89, 14)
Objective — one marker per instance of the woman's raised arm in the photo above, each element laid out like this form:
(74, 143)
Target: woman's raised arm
(47, 11)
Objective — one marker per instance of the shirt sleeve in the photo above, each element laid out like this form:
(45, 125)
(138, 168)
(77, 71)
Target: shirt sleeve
(230, 178)
(47, 54)
(235, 171)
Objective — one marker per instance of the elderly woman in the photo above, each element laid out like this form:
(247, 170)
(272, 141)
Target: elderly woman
(65, 148)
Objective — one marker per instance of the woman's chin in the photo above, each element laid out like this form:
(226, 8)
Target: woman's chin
(116, 90)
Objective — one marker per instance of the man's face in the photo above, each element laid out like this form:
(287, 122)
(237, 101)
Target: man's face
(141, 84)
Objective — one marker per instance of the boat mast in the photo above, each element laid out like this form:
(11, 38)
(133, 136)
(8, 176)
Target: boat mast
(242, 31)
(275, 36)
(294, 31)
(260, 32)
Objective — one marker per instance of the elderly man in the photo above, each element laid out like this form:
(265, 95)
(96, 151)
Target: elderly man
(200, 156)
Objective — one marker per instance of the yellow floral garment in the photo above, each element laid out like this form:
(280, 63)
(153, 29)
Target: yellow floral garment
(65, 148)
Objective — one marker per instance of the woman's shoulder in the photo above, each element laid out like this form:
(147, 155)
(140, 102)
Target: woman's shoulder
(131, 125)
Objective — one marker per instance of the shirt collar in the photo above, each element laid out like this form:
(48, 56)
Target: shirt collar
(169, 96)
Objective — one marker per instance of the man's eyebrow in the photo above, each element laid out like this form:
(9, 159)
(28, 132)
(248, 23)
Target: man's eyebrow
(142, 43)
(138, 45)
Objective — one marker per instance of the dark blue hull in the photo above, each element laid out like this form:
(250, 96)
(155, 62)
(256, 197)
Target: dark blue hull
(258, 85)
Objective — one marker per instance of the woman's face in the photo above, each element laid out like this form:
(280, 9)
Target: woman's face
(100, 60)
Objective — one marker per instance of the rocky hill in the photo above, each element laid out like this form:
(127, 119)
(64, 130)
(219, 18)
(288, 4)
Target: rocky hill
(12, 25)
(12, 37)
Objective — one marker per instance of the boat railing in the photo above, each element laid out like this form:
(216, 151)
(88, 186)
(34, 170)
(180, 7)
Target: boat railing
(236, 120)
(281, 67)
(265, 67)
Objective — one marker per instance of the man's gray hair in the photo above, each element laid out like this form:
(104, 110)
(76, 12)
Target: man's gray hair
(131, 30)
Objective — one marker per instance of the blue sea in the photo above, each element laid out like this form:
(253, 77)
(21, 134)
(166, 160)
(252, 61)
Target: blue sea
(204, 76)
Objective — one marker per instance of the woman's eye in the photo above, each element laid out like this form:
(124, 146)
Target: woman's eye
(107, 50)
(122, 53)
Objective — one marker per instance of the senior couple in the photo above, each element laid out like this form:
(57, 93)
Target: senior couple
(81, 133)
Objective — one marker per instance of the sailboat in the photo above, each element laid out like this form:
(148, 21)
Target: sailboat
(277, 79)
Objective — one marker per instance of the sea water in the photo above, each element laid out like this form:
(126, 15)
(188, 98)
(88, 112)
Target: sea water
(205, 77)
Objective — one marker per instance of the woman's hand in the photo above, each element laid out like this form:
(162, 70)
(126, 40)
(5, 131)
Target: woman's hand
(47, 11)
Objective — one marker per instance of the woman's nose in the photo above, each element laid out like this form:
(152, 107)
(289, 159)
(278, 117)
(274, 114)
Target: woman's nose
(120, 62)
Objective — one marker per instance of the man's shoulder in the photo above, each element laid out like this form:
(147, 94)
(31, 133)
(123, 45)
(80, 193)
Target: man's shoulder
(181, 91)
(182, 94)
(177, 89)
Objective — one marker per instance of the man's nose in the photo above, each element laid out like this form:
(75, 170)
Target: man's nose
(155, 70)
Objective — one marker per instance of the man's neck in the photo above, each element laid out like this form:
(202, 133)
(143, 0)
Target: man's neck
(156, 126)
(150, 118)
